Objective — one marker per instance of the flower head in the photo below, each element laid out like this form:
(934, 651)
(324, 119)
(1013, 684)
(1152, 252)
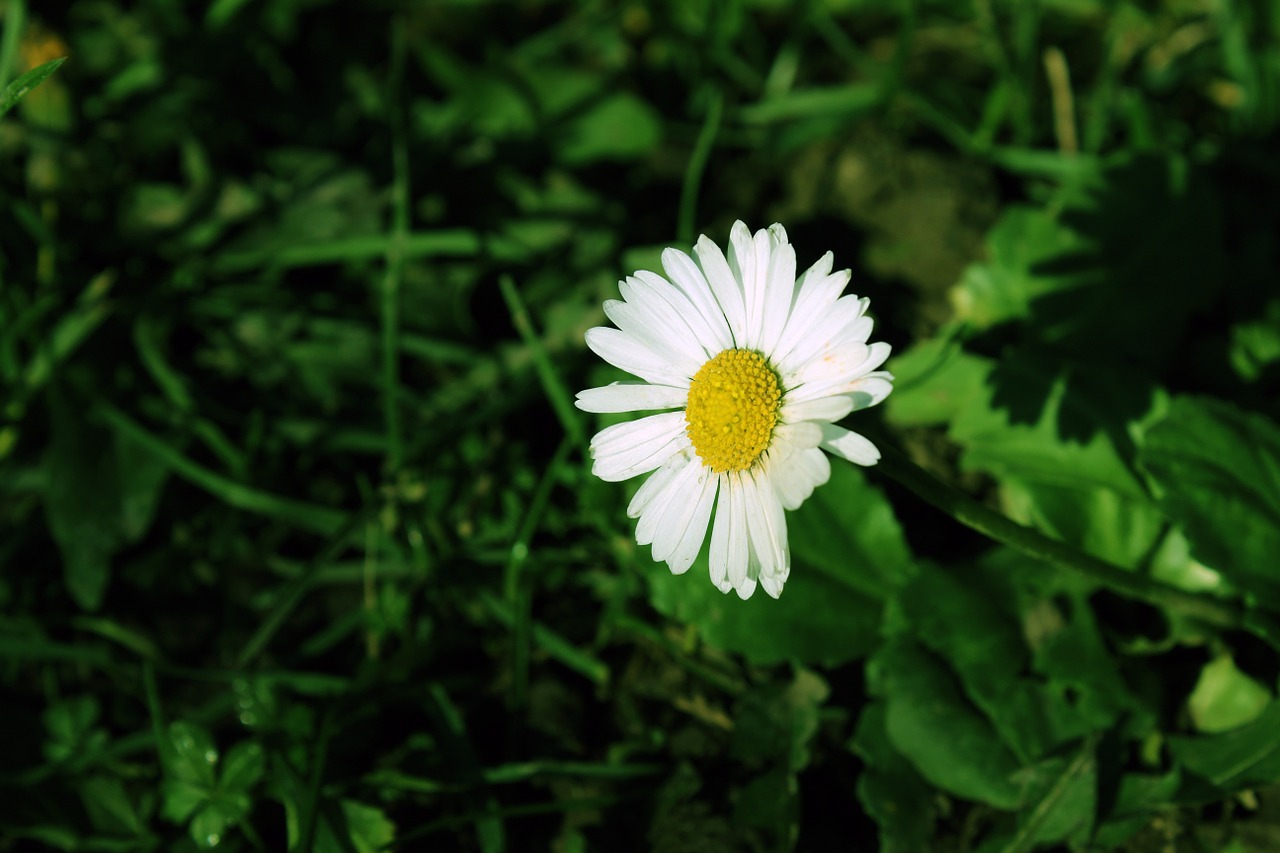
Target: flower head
(758, 365)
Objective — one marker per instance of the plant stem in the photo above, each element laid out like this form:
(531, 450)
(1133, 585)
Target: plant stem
(1023, 539)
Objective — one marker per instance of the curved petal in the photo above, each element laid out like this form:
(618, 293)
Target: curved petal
(726, 289)
(825, 334)
(659, 333)
(802, 472)
(652, 488)
(668, 313)
(631, 397)
(870, 390)
(676, 499)
(684, 525)
(686, 276)
(780, 286)
(625, 450)
(728, 542)
(626, 353)
(849, 445)
(822, 409)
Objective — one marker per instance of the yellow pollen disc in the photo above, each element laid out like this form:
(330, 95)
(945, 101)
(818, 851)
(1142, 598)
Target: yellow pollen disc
(732, 409)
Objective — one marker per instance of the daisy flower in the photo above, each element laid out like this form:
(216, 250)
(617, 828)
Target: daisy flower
(757, 365)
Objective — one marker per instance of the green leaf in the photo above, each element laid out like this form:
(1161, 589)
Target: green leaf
(931, 722)
(369, 827)
(243, 767)
(108, 805)
(20, 88)
(81, 500)
(1062, 801)
(209, 826)
(1217, 470)
(934, 381)
(191, 755)
(1242, 758)
(70, 724)
(1225, 698)
(890, 789)
(620, 127)
(847, 554)
(774, 725)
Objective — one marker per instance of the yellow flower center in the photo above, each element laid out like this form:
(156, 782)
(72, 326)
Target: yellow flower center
(732, 409)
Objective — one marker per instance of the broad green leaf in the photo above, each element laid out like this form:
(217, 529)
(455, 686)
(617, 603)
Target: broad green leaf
(1255, 345)
(209, 827)
(242, 767)
(1061, 803)
(1081, 279)
(190, 755)
(369, 827)
(1002, 287)
(890, 788)
(847, 554)
(1242, 758)
(1225, 698)
(934, 381)
(933, 724)
(108, 805)
(620, 127)
(1059, 439)
(1138, 798)
(774, 725)
(70, 725)
(1217, 472)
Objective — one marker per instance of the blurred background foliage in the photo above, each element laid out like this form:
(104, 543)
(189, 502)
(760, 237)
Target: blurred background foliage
(300, 547)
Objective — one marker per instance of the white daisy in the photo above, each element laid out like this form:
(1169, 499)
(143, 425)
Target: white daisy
(759, 364)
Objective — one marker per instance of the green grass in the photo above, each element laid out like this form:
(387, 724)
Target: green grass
(300, 545)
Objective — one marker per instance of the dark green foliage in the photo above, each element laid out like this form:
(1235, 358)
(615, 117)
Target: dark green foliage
(299, 547)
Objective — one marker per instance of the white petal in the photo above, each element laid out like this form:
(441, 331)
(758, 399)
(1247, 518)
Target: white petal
(631, 397)
(661, 334)
(728, 536)
(779, 289)
(801, 435)
(838, 371)
(826, 332)
(653, 487)
(821, 409)
(625, 352)
(686, 276)
(799, 475)
(667, 311)
(816, 291)
(871, 389)
(767, 524)
(677, 497)
(726, 288)
(849, 445)
(749, 261)
(626, 450)
(684, 524)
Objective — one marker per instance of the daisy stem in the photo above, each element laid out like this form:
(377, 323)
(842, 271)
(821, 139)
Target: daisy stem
(993, 525)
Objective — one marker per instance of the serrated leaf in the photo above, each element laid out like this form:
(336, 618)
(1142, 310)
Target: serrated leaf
(848, 552)
(1217, 470)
